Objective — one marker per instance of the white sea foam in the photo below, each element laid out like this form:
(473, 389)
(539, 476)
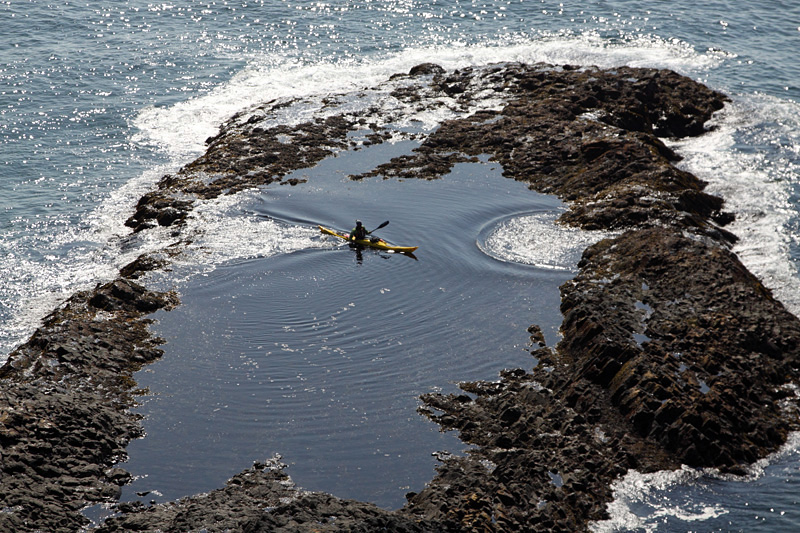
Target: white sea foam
(641, 501)
(220, 231)
(758, 469)
(752, 160)
(182, 128)
(74, 257)
(536, 239)
(645, 502)
(224, 230)
(590, 48)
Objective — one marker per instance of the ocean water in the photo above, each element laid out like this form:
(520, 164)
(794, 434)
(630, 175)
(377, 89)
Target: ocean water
(98, 100)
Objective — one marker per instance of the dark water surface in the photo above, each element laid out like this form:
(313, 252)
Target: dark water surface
(320, 354)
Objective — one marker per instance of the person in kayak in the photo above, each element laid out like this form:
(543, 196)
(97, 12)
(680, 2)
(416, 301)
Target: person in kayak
(359, 232)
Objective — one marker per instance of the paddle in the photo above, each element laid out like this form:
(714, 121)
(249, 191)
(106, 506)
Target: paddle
(379, 227)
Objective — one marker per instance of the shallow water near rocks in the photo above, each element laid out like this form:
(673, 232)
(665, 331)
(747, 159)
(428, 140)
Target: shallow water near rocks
(320, 354)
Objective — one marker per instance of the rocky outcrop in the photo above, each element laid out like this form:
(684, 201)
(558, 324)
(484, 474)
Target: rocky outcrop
(238, 159)
(588, 136)
(689, 346)
(262, 498)
(64, 418)
(672, 352)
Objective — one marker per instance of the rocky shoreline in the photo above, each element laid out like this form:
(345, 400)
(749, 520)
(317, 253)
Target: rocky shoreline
(672, 352)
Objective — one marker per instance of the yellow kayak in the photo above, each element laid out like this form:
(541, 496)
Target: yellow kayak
(373, 243)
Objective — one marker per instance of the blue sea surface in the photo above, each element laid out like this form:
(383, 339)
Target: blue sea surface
(98, 100)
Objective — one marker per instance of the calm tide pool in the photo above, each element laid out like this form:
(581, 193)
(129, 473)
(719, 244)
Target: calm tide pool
(320, 354)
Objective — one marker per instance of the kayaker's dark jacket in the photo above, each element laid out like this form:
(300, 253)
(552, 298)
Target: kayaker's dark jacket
(358, 233)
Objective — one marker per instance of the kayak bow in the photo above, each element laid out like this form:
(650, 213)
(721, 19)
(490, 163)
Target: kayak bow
(378, 243)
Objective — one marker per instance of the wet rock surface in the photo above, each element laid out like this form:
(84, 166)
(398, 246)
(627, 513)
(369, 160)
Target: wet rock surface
(672, 352)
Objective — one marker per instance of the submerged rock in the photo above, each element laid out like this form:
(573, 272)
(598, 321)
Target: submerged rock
(672, 351)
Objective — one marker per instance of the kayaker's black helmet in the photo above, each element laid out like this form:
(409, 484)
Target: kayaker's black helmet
(358, 223)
